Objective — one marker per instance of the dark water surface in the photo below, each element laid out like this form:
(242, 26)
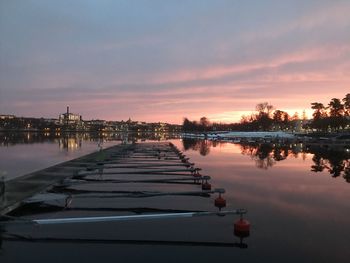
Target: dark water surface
(297, 197)
(298, 201)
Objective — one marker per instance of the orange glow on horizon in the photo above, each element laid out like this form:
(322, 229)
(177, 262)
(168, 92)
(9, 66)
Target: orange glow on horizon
(235, 116)
(225, 117)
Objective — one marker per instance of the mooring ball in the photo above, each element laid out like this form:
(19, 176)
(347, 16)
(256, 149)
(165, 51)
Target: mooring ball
(242, 228)
(206, 186)
(220, 202)
(197, 175)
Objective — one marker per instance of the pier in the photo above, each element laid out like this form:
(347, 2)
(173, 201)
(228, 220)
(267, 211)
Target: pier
(17, 190)
(132, 182)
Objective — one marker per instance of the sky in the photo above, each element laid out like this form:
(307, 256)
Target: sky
(163, 60)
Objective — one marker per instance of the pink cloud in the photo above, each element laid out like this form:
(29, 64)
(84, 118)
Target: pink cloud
(315, 54)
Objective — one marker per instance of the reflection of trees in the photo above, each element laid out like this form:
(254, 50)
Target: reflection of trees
(337, 163)
(347, 173)
(264, 151)
(279, 154)
(262, 154)
(319, 164)
(264, 163)
(266, 155)
(189, 143)
(203, 146)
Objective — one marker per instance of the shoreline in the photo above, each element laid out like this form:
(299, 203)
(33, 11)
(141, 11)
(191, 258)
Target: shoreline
(269, 137)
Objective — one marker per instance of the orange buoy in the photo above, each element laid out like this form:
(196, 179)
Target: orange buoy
(242, 228)
(220, 202)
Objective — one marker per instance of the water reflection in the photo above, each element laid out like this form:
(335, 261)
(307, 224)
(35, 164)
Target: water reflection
(53, 148)
(71, 141)
(203, 146)
(335, 162)
(265, 155)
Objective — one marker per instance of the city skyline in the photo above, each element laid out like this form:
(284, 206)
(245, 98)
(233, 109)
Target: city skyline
(166, 60)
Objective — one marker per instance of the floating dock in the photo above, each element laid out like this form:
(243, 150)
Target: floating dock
(143, 181)
(17, 190)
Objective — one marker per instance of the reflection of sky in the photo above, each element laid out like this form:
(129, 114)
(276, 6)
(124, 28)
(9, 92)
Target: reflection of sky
(20, 159)
(292, 175)
(294, 211)
(296, 215)
(163, 60)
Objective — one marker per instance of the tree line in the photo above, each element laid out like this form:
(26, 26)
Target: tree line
(333, 117)
(264, 119)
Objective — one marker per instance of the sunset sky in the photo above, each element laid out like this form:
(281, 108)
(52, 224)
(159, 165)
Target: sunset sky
(157, 60)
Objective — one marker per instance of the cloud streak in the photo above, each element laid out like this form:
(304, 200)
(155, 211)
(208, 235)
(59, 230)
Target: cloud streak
(158, 61)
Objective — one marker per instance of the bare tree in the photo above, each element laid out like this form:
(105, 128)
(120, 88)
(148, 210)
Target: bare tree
(264, 108)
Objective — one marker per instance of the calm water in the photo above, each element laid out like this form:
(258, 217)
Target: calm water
(297, 196)
(22, 153)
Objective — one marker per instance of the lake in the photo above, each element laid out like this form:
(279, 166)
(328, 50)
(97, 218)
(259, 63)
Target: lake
(297, 196)
(298, 199)
(22, 153)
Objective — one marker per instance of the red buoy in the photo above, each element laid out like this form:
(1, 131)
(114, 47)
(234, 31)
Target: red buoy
(206, 186)
(197, 175)
(242, 228)
(220, 202)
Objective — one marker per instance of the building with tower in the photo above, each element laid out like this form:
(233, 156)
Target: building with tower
(70, 121)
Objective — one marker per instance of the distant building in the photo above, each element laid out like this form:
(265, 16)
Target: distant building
(95, 125)
(7, 117)
(118, 126)
(70, 120)
(6, 121)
